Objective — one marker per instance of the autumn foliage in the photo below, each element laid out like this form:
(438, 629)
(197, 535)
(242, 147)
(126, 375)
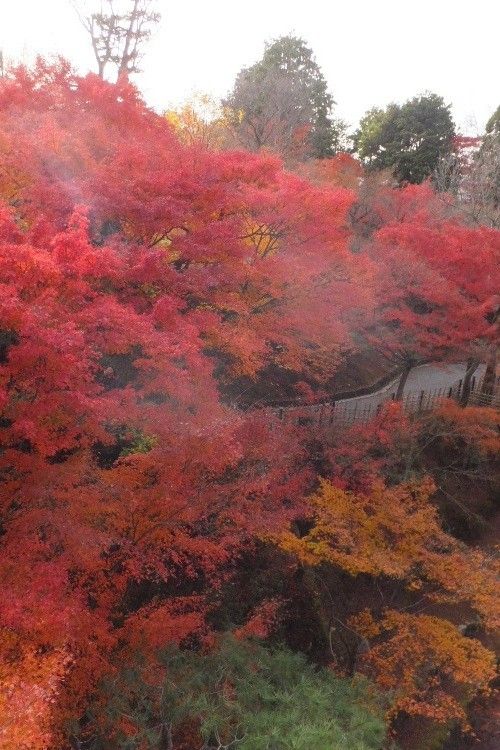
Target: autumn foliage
(142, 279)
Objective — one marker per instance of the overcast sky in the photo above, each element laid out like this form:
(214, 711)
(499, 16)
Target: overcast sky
(371, 51)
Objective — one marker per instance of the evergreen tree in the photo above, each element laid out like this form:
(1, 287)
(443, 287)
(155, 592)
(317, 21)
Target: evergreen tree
(246, 696)
(409, 138)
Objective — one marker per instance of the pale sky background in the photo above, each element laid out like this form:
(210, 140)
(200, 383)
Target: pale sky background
(371, 51)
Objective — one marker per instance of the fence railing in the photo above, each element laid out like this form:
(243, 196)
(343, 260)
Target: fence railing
(363, 409)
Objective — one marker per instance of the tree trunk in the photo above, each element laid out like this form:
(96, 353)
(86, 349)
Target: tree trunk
(472, 365)
(402, 381)
(166, 742)
(124, 67)
(488, 387)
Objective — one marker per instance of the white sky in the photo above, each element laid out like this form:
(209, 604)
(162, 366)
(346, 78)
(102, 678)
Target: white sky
(371, 51)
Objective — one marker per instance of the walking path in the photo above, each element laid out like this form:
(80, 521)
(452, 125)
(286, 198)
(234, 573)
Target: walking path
(426, 386)
(430, 377)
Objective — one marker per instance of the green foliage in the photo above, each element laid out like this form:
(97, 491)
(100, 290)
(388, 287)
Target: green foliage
(409, 138)
(139, 442)
(249, 697)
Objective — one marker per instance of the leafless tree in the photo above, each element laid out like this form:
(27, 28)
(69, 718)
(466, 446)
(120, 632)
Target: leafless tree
(448, 175)
(481, 185)
(268, 111)
(474, 181)
(118, 30)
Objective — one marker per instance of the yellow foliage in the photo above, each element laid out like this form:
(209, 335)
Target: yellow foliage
(395, 532)
(263, 238)
(383, 533)
(201, 120)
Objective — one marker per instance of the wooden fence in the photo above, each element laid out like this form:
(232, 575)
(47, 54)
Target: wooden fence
(363, 409)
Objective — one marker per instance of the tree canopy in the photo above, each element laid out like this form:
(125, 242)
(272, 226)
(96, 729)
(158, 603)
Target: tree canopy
(409, 138)
(282, 103)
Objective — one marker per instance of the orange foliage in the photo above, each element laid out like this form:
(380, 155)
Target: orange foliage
(30, 678)
(432, 668)
(342, 170)
(395, 532)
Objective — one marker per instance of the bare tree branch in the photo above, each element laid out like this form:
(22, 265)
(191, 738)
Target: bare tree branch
(117, 32)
